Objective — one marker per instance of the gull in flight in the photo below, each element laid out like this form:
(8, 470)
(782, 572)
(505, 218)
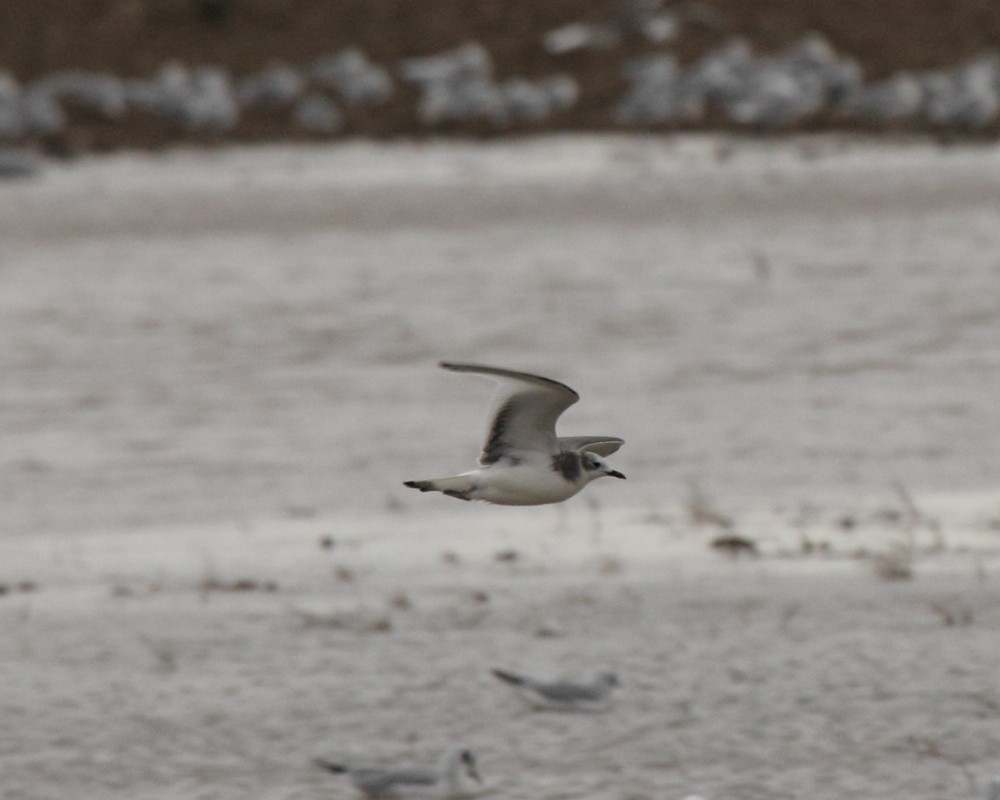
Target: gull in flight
(563, 695)
(523, 462)
(447, 780)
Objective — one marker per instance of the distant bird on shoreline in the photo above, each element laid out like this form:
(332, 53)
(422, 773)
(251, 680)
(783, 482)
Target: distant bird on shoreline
(563, 695)
(523, 462)
(447, 780)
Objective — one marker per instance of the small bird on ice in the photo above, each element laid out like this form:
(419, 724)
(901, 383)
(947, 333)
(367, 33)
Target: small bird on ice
(563, 695)
(447, 780)
(523, 462)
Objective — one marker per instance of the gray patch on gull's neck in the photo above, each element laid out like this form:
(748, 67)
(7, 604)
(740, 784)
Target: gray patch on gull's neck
(567, 464)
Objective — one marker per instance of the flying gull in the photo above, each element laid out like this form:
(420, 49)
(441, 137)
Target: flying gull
(523, 462)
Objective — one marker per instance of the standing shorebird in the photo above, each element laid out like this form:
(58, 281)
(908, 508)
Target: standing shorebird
(523, 462)
(447, 780)
(563, 695)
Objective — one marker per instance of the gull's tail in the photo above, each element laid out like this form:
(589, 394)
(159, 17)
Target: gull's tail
(329, 766)
(456, 486)
(509, 677)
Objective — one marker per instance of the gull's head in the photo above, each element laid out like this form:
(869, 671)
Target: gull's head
(596, 467)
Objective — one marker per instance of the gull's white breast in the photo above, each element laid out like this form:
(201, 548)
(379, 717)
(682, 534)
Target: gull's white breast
(522, 485)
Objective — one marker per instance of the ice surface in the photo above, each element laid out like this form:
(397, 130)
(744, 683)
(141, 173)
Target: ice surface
(218, 661)
(224, 335)
(219, 366)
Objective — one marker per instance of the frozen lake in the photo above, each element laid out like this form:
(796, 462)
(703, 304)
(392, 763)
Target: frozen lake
(234, 352)
(212, 336)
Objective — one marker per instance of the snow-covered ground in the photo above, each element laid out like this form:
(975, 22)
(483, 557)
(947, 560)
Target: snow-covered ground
(225, 335)
(214, 362)
(218, 661)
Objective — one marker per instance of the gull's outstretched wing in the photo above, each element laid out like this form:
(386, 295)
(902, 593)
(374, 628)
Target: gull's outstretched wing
(525, 412)
(601, 445)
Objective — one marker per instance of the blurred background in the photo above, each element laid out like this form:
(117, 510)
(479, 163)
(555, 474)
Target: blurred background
(98, 74)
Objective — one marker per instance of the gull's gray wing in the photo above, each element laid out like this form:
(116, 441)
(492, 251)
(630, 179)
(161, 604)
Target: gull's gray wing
(525, 412)
(565, 692)
(381, 782)
(601, 445)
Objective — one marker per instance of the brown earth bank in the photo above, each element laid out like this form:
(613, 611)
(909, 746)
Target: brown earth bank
(135, 37)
